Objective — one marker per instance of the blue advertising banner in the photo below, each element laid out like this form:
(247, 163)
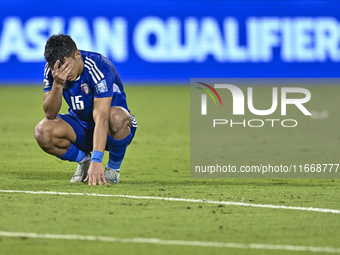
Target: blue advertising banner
(177, 40)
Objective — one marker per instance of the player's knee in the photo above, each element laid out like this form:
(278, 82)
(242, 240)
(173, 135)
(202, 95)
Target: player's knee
(119, 118)
(43, 134)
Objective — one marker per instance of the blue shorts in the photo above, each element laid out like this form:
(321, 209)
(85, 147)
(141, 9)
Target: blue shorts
(84, 139)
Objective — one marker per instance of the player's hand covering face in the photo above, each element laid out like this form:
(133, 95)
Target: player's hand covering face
(61, 73)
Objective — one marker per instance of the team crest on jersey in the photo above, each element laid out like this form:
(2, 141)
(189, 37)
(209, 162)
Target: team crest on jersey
(85, 88)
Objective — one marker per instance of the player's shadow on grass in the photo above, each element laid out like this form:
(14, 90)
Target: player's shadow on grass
(65, 176)
(237, 182)
(42, 175)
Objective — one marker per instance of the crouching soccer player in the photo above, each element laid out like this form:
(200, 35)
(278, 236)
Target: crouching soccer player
(98, 118)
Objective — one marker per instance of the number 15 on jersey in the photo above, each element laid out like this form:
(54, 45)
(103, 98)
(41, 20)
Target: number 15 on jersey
(77, 103)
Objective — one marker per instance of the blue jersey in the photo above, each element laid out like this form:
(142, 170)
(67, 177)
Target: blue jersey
(98, 79)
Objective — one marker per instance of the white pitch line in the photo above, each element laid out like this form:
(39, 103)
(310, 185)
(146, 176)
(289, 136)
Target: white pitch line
(313, 209)
(174, 242)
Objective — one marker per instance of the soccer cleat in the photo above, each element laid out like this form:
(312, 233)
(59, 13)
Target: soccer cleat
(81, 171)
(112, 176)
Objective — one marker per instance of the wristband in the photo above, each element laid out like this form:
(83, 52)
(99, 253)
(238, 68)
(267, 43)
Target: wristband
(97, 156)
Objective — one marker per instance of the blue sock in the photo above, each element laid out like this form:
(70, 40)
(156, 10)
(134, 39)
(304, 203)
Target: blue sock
(74, 154)
(117, 149)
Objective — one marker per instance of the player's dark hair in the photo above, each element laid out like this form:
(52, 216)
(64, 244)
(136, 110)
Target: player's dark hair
(58, 47)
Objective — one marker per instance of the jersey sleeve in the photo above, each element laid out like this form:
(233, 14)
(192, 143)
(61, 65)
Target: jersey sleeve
(48, 78)
(103, 77)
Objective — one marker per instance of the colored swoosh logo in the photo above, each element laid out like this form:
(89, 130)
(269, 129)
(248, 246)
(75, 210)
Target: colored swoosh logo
(208, 93)
(212, 89)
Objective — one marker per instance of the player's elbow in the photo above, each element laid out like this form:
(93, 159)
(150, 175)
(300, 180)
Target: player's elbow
(50, 116)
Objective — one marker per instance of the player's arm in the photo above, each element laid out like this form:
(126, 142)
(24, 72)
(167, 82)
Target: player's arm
(53, 98)
(101, 116)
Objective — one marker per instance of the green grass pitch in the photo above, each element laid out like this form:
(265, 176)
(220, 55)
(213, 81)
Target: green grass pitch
(156, 164)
